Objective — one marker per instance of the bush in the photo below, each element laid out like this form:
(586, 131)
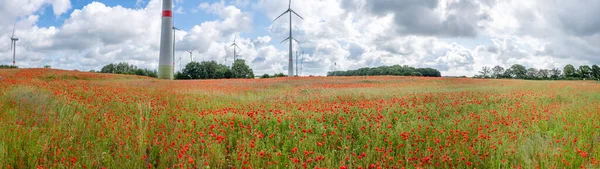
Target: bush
(213, 70)
(126, 68)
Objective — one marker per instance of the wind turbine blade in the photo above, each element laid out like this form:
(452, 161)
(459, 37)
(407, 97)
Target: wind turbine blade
(285, 40)
(281, 15)
(297, 14)
(296, 40)
(290, 5)
(238, 47)
(14, 28)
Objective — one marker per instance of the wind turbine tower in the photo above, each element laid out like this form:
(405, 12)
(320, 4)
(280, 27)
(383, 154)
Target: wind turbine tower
(297, 73)
(13, 44)
(234, 45)
(175, 29)
(180, 64)
(191, 51)
(165, 65)
(301, 62)
(291, 38)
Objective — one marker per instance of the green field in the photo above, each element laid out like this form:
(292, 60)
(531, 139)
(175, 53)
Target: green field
(66, 119)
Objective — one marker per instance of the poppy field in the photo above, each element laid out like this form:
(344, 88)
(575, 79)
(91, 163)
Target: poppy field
(69, 119)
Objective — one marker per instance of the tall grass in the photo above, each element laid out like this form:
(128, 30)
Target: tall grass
(389, 122)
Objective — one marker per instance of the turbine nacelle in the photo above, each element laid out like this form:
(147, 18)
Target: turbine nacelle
(288, 11)
(286, 39)
(235, 44)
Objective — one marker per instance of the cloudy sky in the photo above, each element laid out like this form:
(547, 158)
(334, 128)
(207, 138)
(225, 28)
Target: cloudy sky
(457, 37)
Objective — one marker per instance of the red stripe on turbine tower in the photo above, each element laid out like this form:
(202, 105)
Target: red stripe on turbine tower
(167, 13)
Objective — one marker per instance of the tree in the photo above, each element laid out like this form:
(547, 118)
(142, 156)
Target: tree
(8, 67)
(205, 70)
(110, 68)
(498, 72)
(569, 71)
(416, 74)
(126, 68)
(395, 70)
(241, 70)
(191, 71)
(279, 75)
(532, 73)
(224, 72)
(517, 71)
(596, 72)
(584, 71)
(47, 66)
(543, 74)
(555, 73)
(265, 76)
(427, 72)
(485, 72)
(208, 70)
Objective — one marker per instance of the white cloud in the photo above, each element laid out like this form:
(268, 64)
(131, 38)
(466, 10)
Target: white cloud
(60, 7)
(335, 34)
(179, 10)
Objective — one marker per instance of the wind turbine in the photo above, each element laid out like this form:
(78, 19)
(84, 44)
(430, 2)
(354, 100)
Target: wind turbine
(13, 43)
(234, 45)
(301, 62)
(297, 73)
(166, 62)
(179, 63)
(291, 62)
(175, 29)
(191, 51)
(225, 48)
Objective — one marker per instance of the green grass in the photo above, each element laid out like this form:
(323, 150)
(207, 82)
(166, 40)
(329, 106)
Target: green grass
(412, 122)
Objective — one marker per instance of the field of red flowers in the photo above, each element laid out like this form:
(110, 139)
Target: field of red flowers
(68, 119)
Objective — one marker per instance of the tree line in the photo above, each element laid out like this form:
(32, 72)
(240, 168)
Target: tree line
(8, 67)
(214, 70)
(517, 71)
(395, 70)
(126, 68)
(193, 70)
(277, 75)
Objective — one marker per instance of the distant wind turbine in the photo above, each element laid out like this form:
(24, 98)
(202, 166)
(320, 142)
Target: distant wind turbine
(301, 62)
(191, 51)
(225, 48)
(175, 29)
(234, 45)
(13, 43)
(179, 63)
(297, 73)
(291, 57)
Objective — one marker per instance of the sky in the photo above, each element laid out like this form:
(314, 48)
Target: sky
(457, 37)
